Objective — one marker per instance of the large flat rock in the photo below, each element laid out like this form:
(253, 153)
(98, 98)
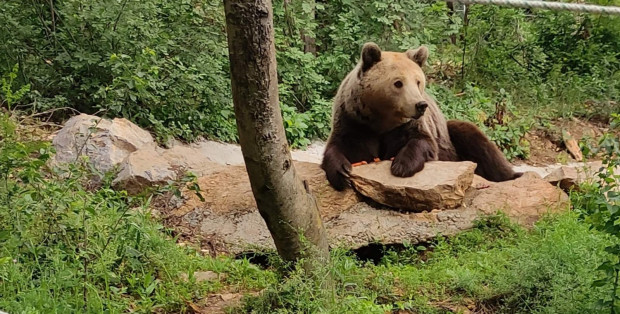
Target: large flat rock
(440, 184)
(358, 226)
(524, 200)
(229, 222)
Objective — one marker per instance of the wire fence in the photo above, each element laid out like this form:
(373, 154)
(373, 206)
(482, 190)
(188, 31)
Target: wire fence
(549, 5)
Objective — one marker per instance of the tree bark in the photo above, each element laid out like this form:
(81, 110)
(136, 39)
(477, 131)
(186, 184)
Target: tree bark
(309, 41)
(283, 200)
(450, 14)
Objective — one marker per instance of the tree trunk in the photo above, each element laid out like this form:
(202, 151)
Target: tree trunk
(450, 14)
(309, 41)
(283, 200)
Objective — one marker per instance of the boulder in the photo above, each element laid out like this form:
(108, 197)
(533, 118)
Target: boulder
(229, 222)
(440, 184)
(155, 166)
(524, 200)
(107, 143)
(568, 177)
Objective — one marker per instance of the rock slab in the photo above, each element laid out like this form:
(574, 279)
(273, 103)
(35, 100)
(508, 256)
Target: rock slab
(229, 222)
(118, 144)
(569, 177)
(524, 200)
(441, 184)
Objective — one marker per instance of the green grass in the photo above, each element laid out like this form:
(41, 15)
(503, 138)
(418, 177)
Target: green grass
(100, 251)
(495, 266)
(70, 244)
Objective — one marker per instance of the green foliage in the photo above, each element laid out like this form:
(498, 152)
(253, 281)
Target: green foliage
(67, 246)
(495, 114)
(496, 267)
(161, 64)
(8, 95)
(165, 66)
(599, 203)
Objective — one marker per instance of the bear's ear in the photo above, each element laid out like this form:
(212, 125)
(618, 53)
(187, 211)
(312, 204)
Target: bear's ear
(419, 55)
(371, 54)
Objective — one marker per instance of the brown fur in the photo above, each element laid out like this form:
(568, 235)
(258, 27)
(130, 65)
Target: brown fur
(381, 110)
(492, 164)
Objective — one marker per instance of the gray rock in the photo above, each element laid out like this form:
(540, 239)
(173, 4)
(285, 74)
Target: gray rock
(569, 177)
(229, 222)
(106, 142)
(440, 184)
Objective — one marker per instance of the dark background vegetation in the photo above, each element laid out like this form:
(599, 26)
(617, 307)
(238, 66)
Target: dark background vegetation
(68, 245)
(164, 64)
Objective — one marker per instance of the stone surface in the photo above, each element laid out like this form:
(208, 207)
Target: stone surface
(229, 222)
(141, 162)
(363, 225)
(440, 184)
(106, 142)
(156, 166)
(572, 146)
(230, 154)
(568, 177)
(524, 200)
(228, 191)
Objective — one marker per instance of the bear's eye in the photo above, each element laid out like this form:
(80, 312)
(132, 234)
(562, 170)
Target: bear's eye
(419, 83)
(398, 84)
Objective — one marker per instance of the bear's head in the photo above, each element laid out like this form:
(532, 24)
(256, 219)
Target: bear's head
(392, 85)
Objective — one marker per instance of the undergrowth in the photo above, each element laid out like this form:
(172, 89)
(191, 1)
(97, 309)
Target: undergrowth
(67, 245)
(497, 267)
(164, 65)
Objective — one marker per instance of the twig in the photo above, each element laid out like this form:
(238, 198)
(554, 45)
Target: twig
(118, 17)
(465, 24)
(50, 111)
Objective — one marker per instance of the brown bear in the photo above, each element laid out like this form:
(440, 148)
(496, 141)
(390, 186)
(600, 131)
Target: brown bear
(381, 110)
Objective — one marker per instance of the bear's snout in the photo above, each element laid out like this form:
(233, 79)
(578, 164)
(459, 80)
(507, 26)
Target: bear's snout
(420, 108)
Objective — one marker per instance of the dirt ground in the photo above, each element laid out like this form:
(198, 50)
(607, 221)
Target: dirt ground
(547, 144)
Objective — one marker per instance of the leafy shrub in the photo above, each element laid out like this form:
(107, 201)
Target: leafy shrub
(68, 246)
(161, 64)
(599, 203)
(496, 115)
(165, 65)
(9, 96)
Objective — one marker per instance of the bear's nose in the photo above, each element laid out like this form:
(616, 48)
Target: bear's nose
(421, 106)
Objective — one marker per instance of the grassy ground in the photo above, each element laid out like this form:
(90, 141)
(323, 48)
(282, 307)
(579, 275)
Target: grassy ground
(495, 268)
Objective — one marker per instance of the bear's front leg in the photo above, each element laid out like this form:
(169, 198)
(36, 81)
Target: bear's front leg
(411, 158)
(337, 168)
